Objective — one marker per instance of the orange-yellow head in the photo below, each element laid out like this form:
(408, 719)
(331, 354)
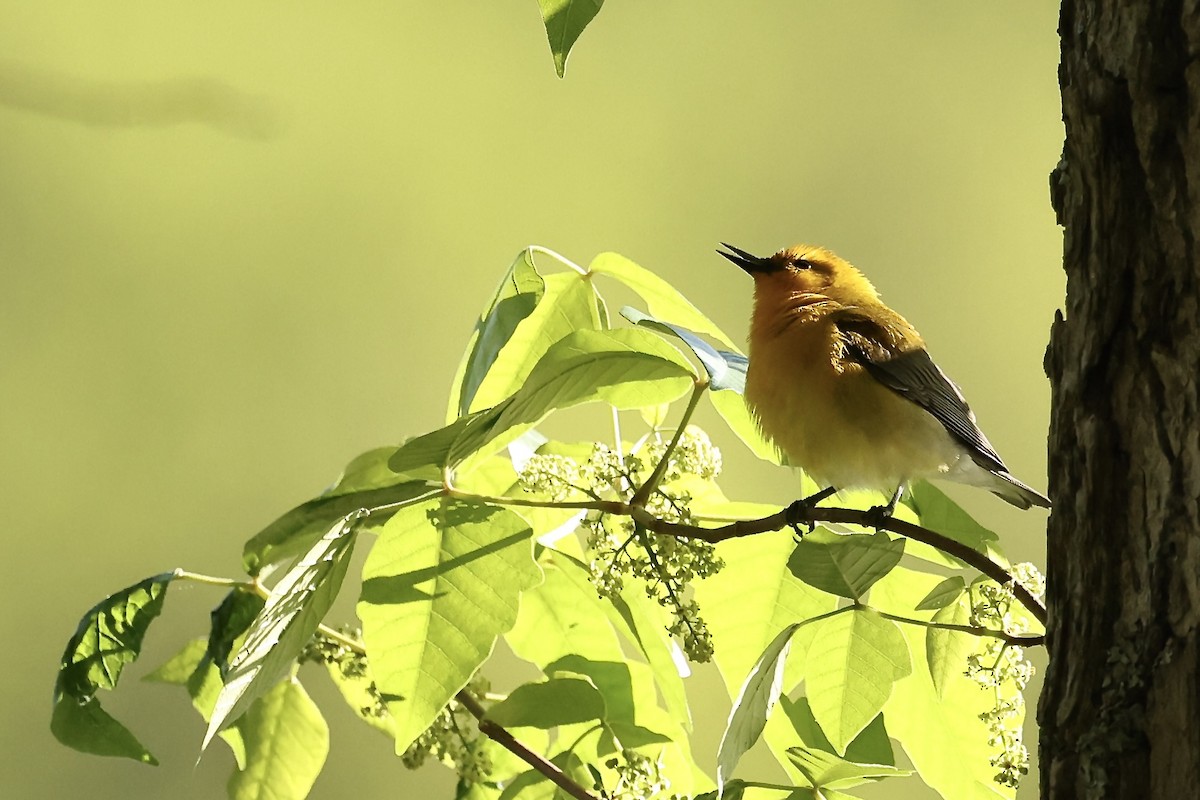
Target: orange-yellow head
(806, 269)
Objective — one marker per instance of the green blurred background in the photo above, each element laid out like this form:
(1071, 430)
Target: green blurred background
(241, 243)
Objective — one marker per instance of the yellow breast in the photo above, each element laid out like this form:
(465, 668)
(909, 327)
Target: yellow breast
(830, 417)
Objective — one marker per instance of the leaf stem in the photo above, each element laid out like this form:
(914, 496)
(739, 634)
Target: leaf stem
(210, 580)
(559, 257)
(643, 493)
(974, 630)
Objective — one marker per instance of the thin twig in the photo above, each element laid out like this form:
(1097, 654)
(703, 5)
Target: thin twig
(1020, 640)
(643, 492)
(502, 737)
(493, 730)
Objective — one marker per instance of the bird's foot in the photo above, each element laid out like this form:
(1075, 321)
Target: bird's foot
(800, 512)
(875, 516)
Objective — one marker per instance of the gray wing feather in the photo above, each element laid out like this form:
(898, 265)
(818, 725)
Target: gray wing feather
(913, 375)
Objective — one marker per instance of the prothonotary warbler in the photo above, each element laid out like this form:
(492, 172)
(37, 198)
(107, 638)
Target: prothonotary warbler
(843, 386)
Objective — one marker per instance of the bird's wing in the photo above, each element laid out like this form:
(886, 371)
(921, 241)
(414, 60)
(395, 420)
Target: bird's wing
(912, 374)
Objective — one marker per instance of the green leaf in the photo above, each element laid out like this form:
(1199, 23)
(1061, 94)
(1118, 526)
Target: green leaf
(425, 457)
(561, 616)
(204, 687)
(367, 482)
(625, 368)
(943, 594)
(746, 604)
(852, 664)
(726, 370)
(662, 299)
(193, 668)
(358, 690)
(569, 304)
(287, 741)
(565, 21)
(955, 761)
(178, 668)
(230, 620)
(514, 299)
(946, 651)
(872, 746)
(442, 582)
(562, 700)
(753, 704)
(295, 607)
(845, 565)
(569, 617)
(646, 628)
(938, 512)
(84, 726)
(615, 681)
(109, 636)
(825, 770)
(740, 419)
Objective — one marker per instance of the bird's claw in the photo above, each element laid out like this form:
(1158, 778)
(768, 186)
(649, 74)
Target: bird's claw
(875, 516)
(800, 512)
(797, 514)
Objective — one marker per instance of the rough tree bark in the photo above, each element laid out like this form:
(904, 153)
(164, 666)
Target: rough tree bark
(1120, 711)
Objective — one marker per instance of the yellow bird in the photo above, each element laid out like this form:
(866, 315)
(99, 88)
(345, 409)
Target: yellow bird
(843, 386)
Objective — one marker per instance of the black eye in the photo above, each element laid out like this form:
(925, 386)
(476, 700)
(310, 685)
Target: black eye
(802, 263)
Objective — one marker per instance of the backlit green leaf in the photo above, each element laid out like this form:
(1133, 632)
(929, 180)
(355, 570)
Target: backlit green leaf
(442, 582)
(569, 304)
(514, 299)
(746, 604)
(943, 594)
(726, 370)
(947, 650)
(367, 482)
(872, 746)
(562, 700)
(938, 512)
(562, 616)
(955, 761)
(753, 705)
(295, 607)
(852, 663)
(844, 565)
(109, 636)
(663, 300)
(827, 770)
(627, 369)
(287, 741)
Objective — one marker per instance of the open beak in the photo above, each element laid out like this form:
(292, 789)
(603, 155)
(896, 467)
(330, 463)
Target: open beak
(749, 263)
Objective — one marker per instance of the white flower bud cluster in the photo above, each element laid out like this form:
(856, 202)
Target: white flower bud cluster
(448, 739)
(616, 548)
(1003, 668)
(639, 777)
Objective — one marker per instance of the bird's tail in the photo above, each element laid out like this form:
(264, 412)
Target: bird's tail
(1009, 489)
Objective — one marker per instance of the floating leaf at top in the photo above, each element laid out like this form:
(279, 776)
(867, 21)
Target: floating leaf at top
(565, 21)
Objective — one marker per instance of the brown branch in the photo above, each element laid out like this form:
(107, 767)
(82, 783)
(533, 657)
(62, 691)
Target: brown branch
(493, 731)
(802, 514)
(502, 737)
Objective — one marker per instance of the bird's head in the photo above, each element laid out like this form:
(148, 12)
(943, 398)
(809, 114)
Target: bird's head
(805, 270)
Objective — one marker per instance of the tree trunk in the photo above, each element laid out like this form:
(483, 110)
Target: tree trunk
(1120, 711)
